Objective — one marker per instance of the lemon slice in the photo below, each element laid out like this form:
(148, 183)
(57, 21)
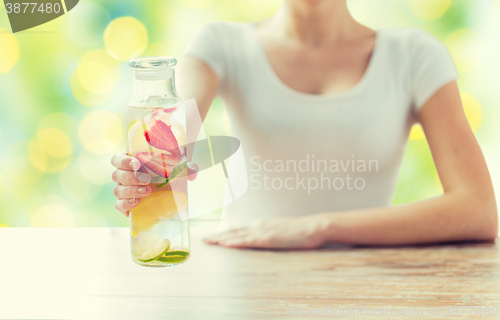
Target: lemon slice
(149, 246)
(159, 206)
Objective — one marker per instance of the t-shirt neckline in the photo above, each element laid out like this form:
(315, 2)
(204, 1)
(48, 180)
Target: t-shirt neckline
(334, 95)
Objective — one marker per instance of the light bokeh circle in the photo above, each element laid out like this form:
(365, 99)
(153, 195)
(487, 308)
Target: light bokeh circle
(62, 121)
(45, 162)
(95, 78)
(52, 215)
(125, 38)
(54, 142)
(84, 96)
(467, 48)
(91, 168)
(9, 51)
(98, 72)
(38, 157)
(18, 166)
(473, 110)
(195, 4)
(51, 149)
(417, 133)
(429, 9)
(1, 184)
(75, 185)
(101, 132)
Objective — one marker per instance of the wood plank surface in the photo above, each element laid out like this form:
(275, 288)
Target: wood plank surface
(87, 273)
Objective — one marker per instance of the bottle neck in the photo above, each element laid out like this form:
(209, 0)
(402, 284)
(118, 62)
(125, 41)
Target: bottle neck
(154, 85)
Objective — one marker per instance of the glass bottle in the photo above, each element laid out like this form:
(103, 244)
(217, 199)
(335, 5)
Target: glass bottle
(156, 136)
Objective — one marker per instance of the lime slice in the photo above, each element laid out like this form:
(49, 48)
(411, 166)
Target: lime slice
(149, 246)
(172, 259)
(176, 253)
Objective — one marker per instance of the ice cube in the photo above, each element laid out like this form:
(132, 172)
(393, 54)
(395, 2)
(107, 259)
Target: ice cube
(154, 99)
(163, 101)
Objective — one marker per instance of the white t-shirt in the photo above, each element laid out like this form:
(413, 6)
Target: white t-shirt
(309, 153)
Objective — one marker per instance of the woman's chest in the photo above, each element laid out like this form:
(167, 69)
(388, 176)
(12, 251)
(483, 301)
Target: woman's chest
(370, 119)
(373, 124)
(318, 70)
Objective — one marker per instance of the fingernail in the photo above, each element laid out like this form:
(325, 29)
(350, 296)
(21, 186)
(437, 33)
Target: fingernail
(193, 166)
(132, 200)
(143, 177)
(142, 190)
(134, 164)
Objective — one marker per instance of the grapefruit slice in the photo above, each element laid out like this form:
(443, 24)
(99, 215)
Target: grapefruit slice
(136, 139)
(160, 135)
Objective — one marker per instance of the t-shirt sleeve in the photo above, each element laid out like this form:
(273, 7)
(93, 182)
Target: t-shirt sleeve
(432, 67)
(208, 47)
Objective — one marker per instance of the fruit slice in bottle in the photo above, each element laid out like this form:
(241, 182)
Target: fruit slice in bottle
(160, 164)
(160, 205)
(160, 135)
(136, 138)
(175, 255)
(172, 259)
(149, 246)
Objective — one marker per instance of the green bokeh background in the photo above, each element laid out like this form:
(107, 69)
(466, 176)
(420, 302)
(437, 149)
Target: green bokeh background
(74, 188)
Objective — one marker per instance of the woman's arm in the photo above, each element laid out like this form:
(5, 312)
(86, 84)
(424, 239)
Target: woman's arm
(466, 211)
(194, 79)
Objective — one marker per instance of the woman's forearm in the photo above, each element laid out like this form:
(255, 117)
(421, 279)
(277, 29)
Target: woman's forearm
(450, 217)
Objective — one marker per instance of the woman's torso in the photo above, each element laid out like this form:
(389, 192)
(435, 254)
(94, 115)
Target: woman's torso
(329, 152)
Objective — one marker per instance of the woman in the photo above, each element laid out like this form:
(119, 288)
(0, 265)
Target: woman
(312, 83)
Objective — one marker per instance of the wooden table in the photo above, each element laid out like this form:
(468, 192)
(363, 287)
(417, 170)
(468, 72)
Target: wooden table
(87, 273)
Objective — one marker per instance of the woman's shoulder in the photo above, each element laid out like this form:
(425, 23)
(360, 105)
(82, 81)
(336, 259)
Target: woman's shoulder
(410, 45)
(219, 37)
(410, 37)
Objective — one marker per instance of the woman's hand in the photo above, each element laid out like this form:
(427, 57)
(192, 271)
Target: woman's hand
(283, 233)
(133, 181)
(131, 186)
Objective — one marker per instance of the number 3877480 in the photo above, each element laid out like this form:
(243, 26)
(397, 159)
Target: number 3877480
(27, 7)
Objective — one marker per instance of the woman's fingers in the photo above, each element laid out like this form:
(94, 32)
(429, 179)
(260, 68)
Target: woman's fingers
(125, 162)
(130, 178)
(131, 192)
(124, 205)
(239, 242)
(226, 234)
